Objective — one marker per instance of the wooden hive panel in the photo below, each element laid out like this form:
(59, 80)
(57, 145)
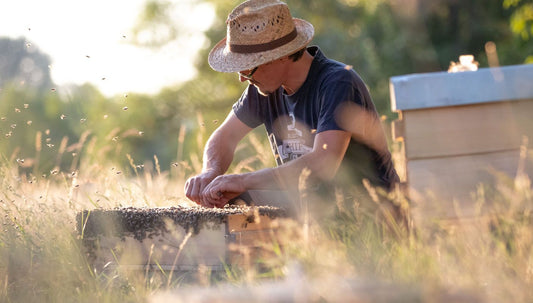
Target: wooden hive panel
(207, 248)
(455, 178)
(468, 129)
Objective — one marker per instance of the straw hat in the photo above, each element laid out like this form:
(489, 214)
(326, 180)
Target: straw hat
(259, 31)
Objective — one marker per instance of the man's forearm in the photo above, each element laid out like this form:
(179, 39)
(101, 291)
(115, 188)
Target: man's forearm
(287, 176)
(323, 163)
(220, 148)
(217, 156)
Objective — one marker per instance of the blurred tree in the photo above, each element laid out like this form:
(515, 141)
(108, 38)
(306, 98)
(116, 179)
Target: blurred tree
(463, 27)
(155, 25)
(521, 23)
(23, 63)
(380, 38)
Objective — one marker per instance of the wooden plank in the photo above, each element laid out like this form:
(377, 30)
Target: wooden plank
(460, 130)
(434, 184)
(207, 248)
(438, 89)
(249, 246)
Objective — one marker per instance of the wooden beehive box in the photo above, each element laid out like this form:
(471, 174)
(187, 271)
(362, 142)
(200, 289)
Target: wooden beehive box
(458, 130)
(158, 238)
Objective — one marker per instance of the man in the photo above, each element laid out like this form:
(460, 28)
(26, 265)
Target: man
(317, 112)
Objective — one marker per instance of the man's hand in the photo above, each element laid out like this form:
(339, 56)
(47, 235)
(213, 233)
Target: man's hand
(195, 186)
(222, 189)
(217, 157)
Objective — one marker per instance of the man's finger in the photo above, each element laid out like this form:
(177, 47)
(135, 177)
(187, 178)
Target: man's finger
(195, 191)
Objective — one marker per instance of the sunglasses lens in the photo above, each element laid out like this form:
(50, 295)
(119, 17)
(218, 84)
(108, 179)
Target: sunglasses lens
(248, 76)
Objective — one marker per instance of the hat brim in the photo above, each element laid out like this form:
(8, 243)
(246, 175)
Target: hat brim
(223, 60)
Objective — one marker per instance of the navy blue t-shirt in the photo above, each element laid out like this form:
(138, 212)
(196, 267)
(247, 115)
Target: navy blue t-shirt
(292, 121)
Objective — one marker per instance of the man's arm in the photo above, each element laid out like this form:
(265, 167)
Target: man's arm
(218, 155)
(323, 162)
(364, 126)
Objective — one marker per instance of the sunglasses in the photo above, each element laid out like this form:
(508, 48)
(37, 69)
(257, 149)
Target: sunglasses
(249, 76)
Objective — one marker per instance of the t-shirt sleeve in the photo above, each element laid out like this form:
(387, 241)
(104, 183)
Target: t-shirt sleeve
(247, 108)
(342, 88)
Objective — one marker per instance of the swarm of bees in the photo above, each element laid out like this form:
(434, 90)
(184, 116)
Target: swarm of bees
(147, 223)
(143, 223)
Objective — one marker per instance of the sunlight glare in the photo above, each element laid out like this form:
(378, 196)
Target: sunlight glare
(88, 42)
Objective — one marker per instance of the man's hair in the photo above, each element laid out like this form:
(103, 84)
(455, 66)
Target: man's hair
(297, 55)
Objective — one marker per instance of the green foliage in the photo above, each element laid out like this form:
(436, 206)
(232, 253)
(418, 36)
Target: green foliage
(521, 18)
(385, 38)
(154, 26)
(464, 27)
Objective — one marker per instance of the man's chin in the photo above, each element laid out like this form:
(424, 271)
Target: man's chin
(262, 92)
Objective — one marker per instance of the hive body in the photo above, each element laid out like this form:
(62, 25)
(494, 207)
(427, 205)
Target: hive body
(462, 131)
(176, 238)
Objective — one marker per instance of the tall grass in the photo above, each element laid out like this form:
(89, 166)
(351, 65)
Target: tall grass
(41, 258)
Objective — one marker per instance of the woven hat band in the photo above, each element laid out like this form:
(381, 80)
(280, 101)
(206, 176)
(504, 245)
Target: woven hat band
(262, 47)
